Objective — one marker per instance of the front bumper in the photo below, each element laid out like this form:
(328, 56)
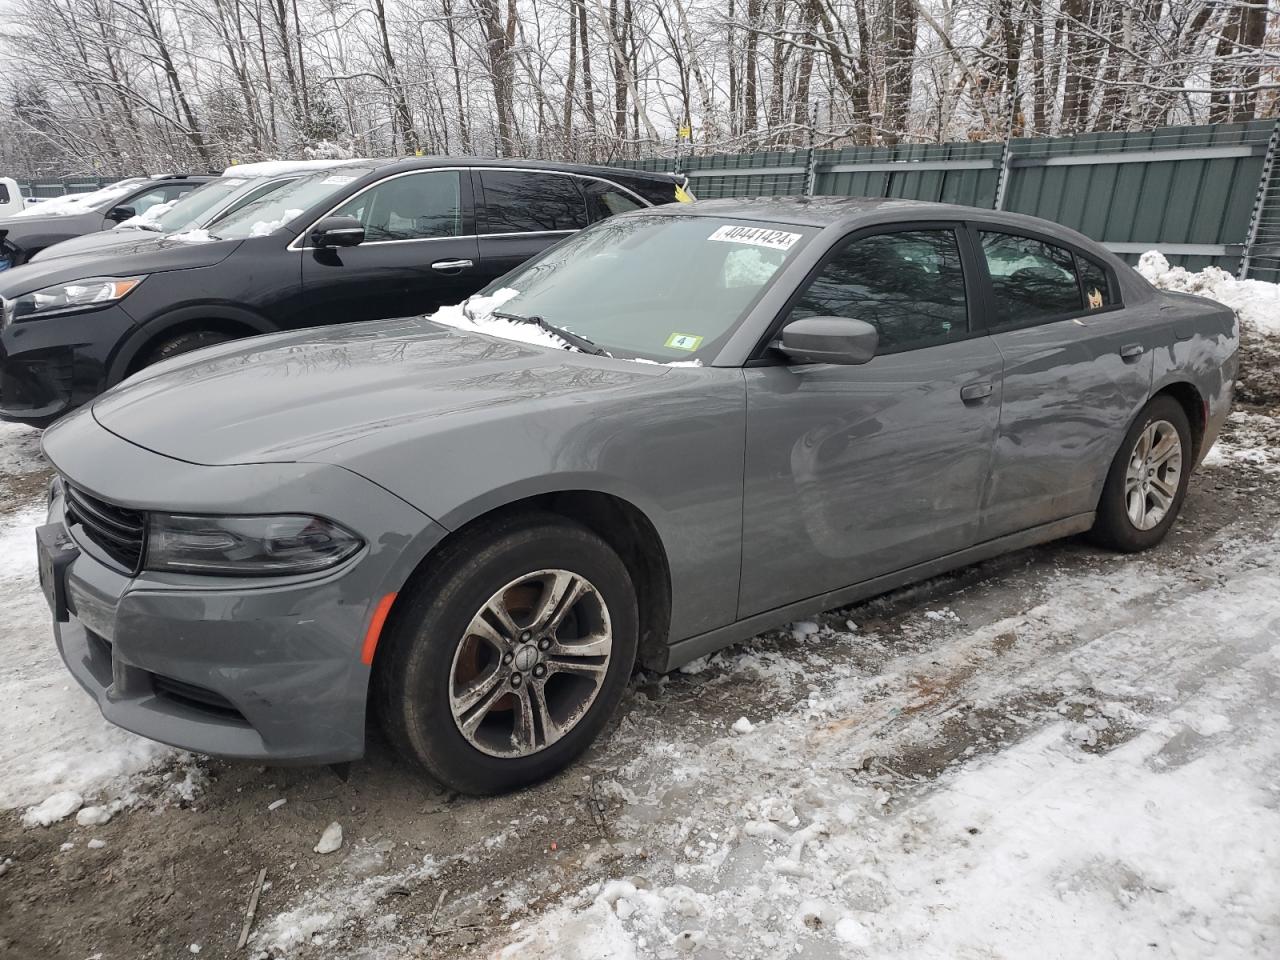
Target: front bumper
(50, 367)
(254, 668)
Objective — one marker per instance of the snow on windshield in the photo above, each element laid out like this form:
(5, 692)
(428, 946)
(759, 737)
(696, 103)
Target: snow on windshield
(476, 315)
(149, 219)
(266, 227)
(74, 203)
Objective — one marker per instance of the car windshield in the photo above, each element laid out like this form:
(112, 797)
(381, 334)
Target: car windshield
(190, 210)
(268, 214)
(659, 287)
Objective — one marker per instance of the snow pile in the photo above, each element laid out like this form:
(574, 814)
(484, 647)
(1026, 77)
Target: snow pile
(197, 235)
(149, 218)
(74, 203)
(19, 449)
(1249, 439)
(1256, 302)
(264, 228)
(475, 314)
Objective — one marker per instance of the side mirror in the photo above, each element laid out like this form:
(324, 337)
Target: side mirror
(120, 214)
(828, 340)
(337, 232)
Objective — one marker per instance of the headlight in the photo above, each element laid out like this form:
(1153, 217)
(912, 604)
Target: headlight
(247, 546)
(69, 297)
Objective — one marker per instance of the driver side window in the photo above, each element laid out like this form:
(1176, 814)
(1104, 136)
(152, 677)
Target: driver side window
(908, 285)
(419, 206)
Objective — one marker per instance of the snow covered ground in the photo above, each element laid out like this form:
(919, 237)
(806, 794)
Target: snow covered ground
(1061, 753)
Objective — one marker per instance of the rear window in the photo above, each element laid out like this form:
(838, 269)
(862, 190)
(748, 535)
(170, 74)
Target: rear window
(1031, 280)
(656, 191)
(1095, 282)
(516, 201)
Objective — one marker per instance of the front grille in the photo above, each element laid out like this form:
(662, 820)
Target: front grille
(116, 531)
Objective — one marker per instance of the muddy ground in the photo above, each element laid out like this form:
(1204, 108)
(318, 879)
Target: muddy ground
(176, 874)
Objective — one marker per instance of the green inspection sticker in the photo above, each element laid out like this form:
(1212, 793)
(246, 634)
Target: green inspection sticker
(683, 341)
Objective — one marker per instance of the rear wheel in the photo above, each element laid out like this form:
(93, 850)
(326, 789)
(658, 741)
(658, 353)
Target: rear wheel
(510, 658)
(1148, 479)
(183, 343)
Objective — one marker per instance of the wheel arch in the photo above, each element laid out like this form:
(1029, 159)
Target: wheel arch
(617, 521)
(222, 318)
(1194, 405)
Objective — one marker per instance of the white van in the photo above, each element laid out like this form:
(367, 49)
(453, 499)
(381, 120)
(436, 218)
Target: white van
(10, 197)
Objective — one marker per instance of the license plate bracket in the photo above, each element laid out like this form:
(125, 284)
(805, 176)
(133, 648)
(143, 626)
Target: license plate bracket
(55, 551)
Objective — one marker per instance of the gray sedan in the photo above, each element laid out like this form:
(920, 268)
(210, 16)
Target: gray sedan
(667, 433)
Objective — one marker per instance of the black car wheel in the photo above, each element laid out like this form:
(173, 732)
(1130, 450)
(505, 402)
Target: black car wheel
(1148, 479)
(184, 343)
(510, 657)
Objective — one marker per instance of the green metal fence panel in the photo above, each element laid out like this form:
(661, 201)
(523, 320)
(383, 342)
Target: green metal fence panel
(49, 188)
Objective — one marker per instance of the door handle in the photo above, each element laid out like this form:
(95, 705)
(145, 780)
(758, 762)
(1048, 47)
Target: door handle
(1131, 351)
(973, 392)
(452, 266)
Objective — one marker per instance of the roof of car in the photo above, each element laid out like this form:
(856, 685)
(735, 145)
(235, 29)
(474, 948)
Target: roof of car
(819, 211)
(426, 163)
(853, 212)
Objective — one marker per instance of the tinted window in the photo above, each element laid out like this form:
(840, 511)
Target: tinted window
(604, 200)
(1093, 279)
(4, 193)
(1032, 280)
(419, 206)
(910, 286)
(518, 202)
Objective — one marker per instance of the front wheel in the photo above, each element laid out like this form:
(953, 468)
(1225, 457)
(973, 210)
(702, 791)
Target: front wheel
(510, 657)
(1148, 479)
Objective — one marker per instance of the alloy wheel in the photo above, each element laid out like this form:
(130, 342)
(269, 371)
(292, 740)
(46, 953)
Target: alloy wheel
(1153, 475)
(530, 664)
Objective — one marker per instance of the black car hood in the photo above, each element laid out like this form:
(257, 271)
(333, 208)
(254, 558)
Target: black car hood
(156, 254)
(120, 242)
(286, 397)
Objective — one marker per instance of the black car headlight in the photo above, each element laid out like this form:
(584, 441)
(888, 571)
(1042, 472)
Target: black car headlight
(88, 294)
(247, 546)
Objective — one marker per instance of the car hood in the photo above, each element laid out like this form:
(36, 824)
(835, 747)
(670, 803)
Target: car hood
(120, 242)
(287, 397)
(155, 254)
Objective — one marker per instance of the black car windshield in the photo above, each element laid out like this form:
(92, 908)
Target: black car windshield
(659, 287)
(191, 210)
(268, 214)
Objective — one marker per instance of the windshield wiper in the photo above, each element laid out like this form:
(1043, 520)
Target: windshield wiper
(568, 336)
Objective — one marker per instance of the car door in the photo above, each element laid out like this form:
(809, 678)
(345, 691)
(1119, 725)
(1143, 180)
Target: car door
(522, 212)
(419, 251)
(857, 471)
(1077, 367)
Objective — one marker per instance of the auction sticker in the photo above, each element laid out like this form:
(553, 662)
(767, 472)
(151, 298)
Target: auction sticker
(683, 341)
(756, 237)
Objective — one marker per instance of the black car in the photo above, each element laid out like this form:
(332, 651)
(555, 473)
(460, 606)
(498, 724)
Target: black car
(41, 225)
(365, 241)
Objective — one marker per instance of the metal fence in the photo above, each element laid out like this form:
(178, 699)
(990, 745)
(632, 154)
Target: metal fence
(1200, 195)
(47, 189)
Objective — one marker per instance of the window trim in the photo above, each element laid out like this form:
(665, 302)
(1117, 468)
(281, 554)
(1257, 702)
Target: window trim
(978, 227)
(464, 195)
(761, 354)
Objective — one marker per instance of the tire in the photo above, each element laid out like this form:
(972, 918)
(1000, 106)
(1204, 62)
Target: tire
(183, 343)
(435, 657)
(1127, 496)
